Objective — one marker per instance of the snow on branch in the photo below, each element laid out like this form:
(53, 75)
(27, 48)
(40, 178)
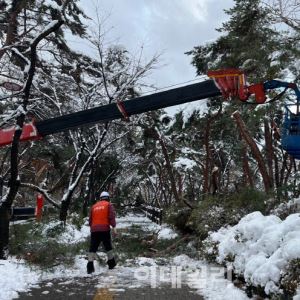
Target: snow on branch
(286, 11)
(42, 191)
(51, 27)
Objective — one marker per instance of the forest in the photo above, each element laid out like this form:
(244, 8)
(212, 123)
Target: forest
(205, 168)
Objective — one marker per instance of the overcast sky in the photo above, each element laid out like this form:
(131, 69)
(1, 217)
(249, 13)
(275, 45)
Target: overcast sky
(170, 27)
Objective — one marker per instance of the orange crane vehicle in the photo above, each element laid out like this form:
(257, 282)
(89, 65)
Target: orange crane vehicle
(228, 83)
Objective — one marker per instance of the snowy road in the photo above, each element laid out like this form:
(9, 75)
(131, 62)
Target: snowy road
(174, 277)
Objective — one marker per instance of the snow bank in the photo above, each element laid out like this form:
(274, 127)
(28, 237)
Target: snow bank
(260, 247)
(15, 276)
(207, 280)
(288, 208)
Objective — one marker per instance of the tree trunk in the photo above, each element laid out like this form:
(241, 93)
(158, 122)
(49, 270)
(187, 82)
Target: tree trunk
(192, 187)
(169, 167)
(269, 150)
(276, 171)
(4, 230)
(12, 27)
(175, 193)
(255, 151)
(180, 186)
(75, 178)
(284, 167)
(246, 168)
(207, 167)
(65, 203)
(14, 181)
(162, 187)
(13, 185)
(215, 180)
(87, 194)
(207, 172)
(288, 173)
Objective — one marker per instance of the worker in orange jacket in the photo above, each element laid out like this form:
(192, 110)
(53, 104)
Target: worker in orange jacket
(102, 218)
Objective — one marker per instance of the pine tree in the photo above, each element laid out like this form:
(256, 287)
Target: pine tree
(248, 41)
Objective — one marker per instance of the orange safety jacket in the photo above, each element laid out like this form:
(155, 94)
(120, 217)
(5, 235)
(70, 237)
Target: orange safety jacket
(102, 216)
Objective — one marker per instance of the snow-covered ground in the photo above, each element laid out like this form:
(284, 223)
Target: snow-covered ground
(17, 276)
(206, 280)
(137, 220)
(163, 231)
(71, 234)
(259, 248)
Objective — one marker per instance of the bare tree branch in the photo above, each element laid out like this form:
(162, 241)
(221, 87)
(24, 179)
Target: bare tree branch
(42, 191)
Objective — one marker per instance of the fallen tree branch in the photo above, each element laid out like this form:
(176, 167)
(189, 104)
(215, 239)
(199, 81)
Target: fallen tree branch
(42, 191)
(173, 246)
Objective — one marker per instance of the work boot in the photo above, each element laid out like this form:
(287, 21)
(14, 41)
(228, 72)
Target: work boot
(90, 267)
(111, 263)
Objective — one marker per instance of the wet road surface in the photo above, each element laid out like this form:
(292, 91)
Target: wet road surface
(86, 289)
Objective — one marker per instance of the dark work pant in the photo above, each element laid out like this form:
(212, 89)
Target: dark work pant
(100, 236)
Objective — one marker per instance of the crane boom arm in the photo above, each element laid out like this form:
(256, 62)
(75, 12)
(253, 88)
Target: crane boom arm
(228, 83)
(109, 112)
